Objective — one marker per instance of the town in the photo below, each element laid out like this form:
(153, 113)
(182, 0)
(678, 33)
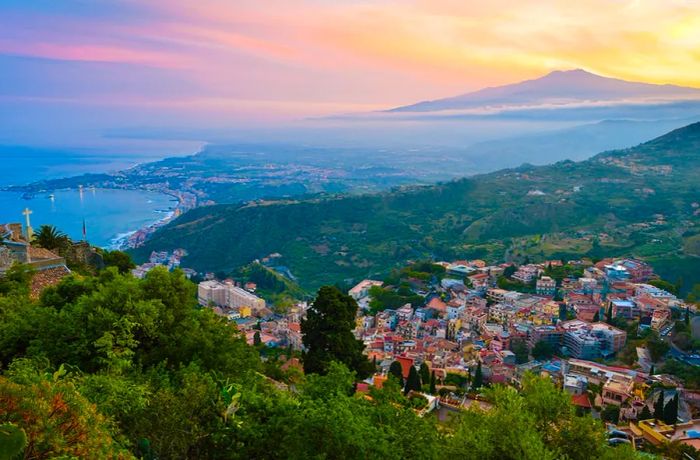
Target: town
(604, 331)
(466, 324)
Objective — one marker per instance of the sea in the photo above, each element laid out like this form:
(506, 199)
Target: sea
(109, 215)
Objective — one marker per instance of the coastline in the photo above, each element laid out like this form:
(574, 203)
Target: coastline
(135, 238)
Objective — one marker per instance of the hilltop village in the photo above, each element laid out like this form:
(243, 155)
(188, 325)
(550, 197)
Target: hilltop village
(596, 329)
(610, 333)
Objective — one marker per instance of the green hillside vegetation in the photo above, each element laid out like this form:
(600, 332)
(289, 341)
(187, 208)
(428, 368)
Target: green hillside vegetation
(110, 366)
(639, 201)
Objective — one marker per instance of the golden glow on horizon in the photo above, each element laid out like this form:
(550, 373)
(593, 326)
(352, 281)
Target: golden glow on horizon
(378, 52)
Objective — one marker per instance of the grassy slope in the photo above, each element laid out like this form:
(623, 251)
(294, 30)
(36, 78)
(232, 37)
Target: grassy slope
(490, 215)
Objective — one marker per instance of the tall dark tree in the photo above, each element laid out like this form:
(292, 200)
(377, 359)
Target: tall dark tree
(424, 373)
(519, 348)
(328, 335)
(396, 371)
(659, 406)
(562, 311)
(413, 381)
(687, 316)
(671, 411)
(596, 317)
(645, 414)
(433, 388)
(542, 350)
(609, 314)
(652, 370)
(478, 378)
(257, 341)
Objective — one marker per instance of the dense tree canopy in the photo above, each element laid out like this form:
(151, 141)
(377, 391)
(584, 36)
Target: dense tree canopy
(110, 366)
(328, 335)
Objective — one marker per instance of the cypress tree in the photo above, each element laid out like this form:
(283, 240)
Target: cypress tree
(609, 314)
(413, 381)
(424, 373)
(478, 378)
(596, 317)
(256, 339)
(433, 390)
(659, 406)
(645, 414)
(687, 316)
(652, 370)
(671, 411)
(396, 371)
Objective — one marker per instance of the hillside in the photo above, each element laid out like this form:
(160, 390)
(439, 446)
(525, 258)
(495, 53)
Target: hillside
(640, 201)
(555, 88)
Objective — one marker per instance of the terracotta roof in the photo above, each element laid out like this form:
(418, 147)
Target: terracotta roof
(581, 401)
(45, 278)
(437, 304)
(41, 253)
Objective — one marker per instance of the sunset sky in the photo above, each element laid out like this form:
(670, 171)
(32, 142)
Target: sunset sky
(228, 60)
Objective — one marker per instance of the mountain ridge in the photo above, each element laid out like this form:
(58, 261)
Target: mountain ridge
(558, 86)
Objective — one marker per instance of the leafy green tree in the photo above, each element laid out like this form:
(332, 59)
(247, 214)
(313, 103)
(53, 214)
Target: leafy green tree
(16, 280)
(665, 285)
(611, 413)
(119, 259)
(541, 424)
(542, 350)
(13, 440)
(519, 348)
(328, 335)
(413, 382)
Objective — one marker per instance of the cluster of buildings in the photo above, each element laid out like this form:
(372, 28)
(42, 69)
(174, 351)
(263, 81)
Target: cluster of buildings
(466, 320)
(166, 259)
(240, 304)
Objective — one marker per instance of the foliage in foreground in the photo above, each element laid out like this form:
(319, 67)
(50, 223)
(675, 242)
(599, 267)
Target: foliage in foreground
(115, 367)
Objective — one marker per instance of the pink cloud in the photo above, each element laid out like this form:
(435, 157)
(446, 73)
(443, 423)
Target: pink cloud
(92, 53)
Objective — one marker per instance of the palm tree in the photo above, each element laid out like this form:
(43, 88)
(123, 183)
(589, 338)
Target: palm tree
(49, 237)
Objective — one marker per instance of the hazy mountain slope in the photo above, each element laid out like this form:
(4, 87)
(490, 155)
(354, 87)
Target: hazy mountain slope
(555, 87)
(577, 143)
(635, 201)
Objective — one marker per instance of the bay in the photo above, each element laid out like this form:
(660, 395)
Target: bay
(108, 214)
